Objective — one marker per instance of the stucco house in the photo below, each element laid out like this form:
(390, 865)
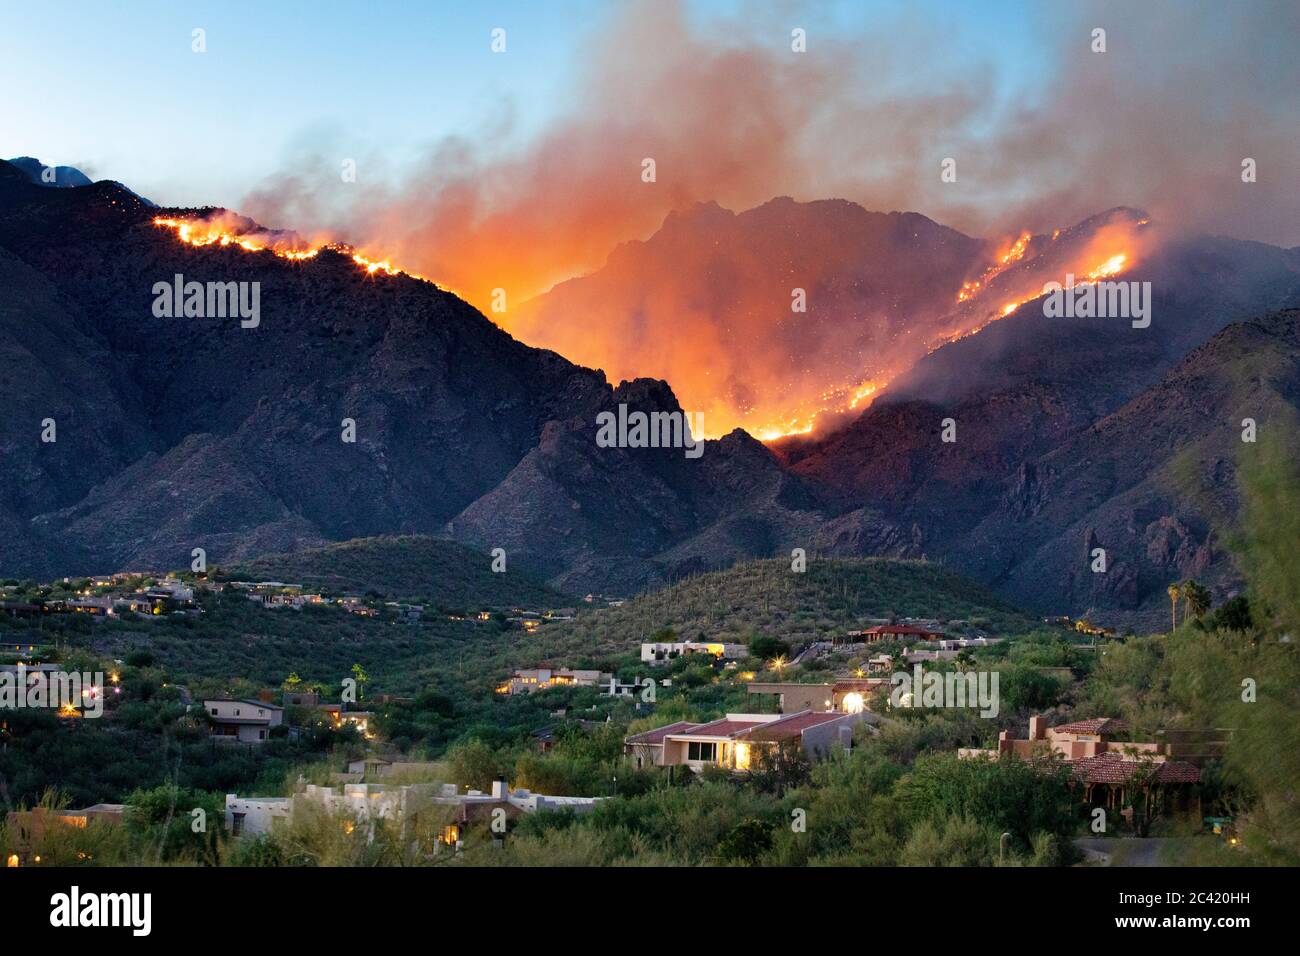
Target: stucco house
(732, 741)
(243, 721)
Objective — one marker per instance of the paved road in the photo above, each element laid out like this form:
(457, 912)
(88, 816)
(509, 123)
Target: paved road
(1123, 851)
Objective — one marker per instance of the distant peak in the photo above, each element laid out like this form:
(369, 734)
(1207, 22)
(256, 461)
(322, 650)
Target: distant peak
(59, 177)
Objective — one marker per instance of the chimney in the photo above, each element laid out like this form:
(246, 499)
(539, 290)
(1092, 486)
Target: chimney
(500, 790)
(1036, 729)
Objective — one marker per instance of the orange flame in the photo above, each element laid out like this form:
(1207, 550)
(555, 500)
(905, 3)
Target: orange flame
(1013, 255)
(216, 231)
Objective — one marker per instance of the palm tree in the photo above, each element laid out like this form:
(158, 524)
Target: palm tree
(1175, 592)
(1198, 598)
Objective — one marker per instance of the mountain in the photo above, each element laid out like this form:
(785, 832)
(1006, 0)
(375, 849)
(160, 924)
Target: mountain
(707, 303)
(615, 520)
(408, 567)
(1055, 457)
(177, 433)
(1151, 483)
(63, 177)
(183, 433)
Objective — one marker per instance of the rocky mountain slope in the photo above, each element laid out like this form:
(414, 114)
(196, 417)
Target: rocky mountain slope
(706, 303)
(177, 433)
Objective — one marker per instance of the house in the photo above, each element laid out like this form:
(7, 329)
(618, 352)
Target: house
(101, 606)
(847, 694)
(27, 828)
(731, 741)
(302, 698)
(242, 721)
(543, 678)
(880, 664)
(375, 767)
(1084, 626)
(959, 643)
(657, 653)
(365, 804)
(171, 589)
(254, 815)
(1106, 769)
(890, 632)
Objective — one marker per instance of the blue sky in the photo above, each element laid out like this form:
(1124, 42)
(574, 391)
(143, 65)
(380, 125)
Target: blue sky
(117, 89)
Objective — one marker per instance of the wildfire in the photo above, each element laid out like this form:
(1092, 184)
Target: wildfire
(1110, 267)
(833, 401)
(222, 231)
(1013, 255)
(1112, 264)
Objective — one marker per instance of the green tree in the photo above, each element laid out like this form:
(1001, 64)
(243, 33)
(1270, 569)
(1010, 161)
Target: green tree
(1197, 598)
(746, 842)
(766, 648)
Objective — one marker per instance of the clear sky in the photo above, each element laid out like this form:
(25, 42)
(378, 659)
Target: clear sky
(116, 89)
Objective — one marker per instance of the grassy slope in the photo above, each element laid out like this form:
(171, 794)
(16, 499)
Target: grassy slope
(416, 567)
(236, 639)
(766, 597)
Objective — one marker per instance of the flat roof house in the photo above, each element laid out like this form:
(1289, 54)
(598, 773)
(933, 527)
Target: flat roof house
(242, 721)
(847, 694)
(27, 828)
(543, 678)
(661, 652)
(730, 741)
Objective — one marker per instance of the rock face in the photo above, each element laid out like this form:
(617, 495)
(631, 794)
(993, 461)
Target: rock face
(174, 433)
(177, 433)
(1152, 480)
(707, 303)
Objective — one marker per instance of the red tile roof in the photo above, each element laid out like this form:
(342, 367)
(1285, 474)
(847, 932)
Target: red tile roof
(1114, 768)
(657, 735)
(787, 727)
(1097, 725)
(723, 727)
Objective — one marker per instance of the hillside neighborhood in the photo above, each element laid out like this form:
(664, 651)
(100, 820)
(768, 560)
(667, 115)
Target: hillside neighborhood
(766, 717)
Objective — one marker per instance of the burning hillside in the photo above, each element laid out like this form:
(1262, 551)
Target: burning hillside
(1093, 251)
(711, 302)
(705, 303)
(228, 229)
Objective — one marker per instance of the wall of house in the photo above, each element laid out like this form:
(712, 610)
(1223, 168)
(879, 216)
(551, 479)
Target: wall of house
(260, 813)
(819, 741)
(244, 710)
(797, 697)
